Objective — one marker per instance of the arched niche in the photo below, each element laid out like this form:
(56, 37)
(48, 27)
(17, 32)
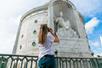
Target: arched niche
(66, 11)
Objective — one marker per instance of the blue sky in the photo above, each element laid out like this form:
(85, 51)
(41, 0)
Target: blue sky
(12, 10)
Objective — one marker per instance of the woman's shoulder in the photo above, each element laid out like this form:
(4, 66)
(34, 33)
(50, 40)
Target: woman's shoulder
(49, 34)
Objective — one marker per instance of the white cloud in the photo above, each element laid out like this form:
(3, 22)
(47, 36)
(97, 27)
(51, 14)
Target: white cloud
(8, 31)
(90, 26)
(101, 40)
(86, 7)
(96, 46)
(100, 54)
(17, 7)
(94, 43)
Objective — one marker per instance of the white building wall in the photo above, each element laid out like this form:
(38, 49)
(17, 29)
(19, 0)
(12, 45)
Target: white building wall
(29, 30)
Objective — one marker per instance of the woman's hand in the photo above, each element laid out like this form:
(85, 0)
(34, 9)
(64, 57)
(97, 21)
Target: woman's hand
(50, 30)
(55, 35)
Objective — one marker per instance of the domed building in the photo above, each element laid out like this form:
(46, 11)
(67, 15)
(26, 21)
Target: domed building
(62, 17)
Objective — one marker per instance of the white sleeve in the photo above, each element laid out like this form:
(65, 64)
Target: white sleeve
(51, 37)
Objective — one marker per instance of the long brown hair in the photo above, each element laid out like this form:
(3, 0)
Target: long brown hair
(42, 33)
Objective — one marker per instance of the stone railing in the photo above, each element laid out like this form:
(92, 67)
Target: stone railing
(24, 61)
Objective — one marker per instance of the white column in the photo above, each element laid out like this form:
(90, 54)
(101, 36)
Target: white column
(50, 15)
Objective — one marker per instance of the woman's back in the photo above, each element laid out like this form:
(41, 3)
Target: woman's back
(47, 47)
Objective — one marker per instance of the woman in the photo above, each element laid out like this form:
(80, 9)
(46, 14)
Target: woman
(46, 53)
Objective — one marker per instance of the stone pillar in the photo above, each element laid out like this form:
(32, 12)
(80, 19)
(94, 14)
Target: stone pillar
(50, 15)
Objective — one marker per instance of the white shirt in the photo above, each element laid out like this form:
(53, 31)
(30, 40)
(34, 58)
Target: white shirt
(47, 47)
